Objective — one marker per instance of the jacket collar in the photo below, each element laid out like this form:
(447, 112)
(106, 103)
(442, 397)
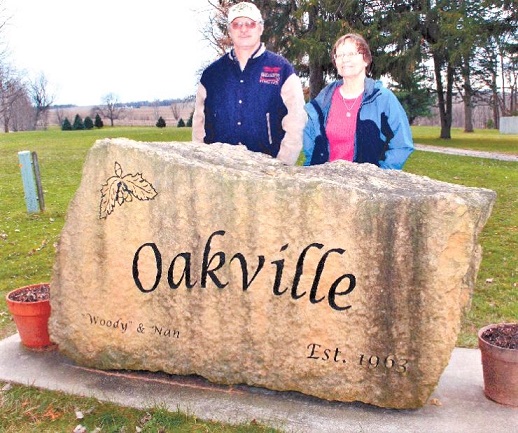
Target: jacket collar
(326, 94)
(260, 50)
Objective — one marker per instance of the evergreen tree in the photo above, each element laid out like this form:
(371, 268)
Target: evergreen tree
(78, 123)
(417, 102)
(181, 123)
(448, 37)
(89, 123)
(66, 126)
(303, 31)
(98, 121)
(160, 123)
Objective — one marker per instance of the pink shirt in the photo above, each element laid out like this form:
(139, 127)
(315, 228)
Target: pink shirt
(341, 126)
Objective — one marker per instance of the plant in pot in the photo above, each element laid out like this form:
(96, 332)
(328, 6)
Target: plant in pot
(498, 345)
(30, 308)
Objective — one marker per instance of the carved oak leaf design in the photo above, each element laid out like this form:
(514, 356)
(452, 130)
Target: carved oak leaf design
(120, 189)
(138, 187)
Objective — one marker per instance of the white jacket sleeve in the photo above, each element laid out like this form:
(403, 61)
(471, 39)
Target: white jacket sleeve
(293, 123)
(198, 118)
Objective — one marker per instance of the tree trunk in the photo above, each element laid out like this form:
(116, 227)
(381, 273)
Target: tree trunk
(316, 78)
(36, 119)
(316, 70)
(502, 68)
(512, 102)
(444, 113)
(468, 115)
(446, 134)
(496, 102)
(468, 99)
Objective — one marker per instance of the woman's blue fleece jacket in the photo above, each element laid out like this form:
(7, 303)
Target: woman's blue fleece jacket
(383, 135)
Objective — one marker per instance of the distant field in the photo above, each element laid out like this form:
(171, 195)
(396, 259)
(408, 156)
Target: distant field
(143, 116)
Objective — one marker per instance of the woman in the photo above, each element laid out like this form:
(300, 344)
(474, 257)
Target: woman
(356, 118)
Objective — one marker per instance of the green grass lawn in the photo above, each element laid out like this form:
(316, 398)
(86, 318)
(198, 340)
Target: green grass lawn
(27, 409)
(27, 248)
(488, 140)
(496, 293)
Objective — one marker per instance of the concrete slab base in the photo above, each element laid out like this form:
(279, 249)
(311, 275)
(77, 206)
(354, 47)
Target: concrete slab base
(458, 404)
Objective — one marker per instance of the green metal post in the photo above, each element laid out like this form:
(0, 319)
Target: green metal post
(29, 182)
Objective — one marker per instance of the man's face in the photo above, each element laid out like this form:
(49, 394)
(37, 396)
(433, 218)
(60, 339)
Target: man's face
(245, 33)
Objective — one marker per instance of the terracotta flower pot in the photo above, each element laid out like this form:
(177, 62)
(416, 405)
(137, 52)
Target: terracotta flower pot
(499, 352)
(30, 308)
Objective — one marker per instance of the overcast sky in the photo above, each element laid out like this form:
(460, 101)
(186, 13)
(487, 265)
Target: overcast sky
(138, 50)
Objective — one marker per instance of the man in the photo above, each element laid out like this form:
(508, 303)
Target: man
(250, 96)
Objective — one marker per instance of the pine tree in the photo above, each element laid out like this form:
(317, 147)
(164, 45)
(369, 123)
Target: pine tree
(98, 121)
(160, 123)
(89, 124)
(181, 123)
(66, 126)
(78, 123)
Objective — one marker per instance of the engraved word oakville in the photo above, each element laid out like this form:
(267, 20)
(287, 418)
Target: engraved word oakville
(182, 264)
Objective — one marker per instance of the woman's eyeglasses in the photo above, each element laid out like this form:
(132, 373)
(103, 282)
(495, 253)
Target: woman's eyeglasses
(343, 56)
(239, 25)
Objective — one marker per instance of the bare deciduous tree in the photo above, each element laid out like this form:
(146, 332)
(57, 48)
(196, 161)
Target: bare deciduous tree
(111, 109)
(11, 90)
(60, 115)
(176, 110)
(42, 100)
(156, 110)
(21, 114)
(212, 31)
(179, 107)
(4, 19)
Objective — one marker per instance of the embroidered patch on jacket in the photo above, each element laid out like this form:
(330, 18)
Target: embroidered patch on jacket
(270, 75)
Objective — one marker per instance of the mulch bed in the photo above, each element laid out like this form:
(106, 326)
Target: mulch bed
(31, 294)
(504, 335)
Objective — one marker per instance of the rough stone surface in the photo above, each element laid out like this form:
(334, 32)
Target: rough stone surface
(341, 281)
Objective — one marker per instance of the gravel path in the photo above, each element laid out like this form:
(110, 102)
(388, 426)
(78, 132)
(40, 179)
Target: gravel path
(464, 152)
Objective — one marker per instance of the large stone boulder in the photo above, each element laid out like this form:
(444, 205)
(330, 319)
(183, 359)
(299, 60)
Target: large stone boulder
(341, 281)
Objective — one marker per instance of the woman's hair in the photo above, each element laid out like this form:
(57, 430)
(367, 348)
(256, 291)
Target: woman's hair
(361, 45)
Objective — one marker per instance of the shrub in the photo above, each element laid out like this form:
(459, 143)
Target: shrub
(78, 123)
(160, 123)
(98, 121)
(89, 123)
(66, 126)
(181, 123)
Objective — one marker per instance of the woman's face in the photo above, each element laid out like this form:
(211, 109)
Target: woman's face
(349, 62)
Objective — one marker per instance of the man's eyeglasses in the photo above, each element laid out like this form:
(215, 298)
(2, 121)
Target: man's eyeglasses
(239, 25)
(345, 55)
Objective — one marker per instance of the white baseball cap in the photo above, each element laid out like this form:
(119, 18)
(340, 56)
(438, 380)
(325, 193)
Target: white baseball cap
(244, 9)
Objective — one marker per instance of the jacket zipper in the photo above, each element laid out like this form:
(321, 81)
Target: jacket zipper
(269, 128)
